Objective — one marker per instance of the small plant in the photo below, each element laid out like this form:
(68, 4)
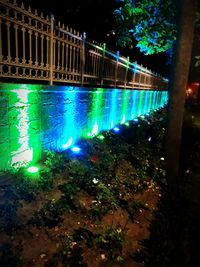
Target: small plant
(51, 214)
(69, 255)
(46, 180)
(111, 241)
(132, 207)
(27, 189)
(56, 162)
(105, 196)
(69, 189)
(85, 235)
(79, 176)
(96, 212)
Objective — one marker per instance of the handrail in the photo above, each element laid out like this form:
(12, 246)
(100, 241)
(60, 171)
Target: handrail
(36, 48)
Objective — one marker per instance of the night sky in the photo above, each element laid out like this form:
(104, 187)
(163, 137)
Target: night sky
(95, 17)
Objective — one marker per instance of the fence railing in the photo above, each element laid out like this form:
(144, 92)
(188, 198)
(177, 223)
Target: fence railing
(38, 48)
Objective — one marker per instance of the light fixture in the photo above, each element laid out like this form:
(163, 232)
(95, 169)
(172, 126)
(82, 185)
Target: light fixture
(101, 137)
(33, 169)
(76, 149)
(116, 129)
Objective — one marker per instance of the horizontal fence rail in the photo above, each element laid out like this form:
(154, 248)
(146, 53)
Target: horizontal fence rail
(35, 47)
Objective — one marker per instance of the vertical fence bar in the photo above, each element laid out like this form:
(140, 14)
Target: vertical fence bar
(103, 63)
(23, 42)
(58, 48)
(36, 48)
(8, 41)
(16, 44)
(30, 47)
(42, 50)
(83, 58)
(116, 67)
(51, 50)
(1, 56)
(63, 53)
(126, 72)
(134, 74)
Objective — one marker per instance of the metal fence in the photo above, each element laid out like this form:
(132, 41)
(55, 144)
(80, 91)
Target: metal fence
(38, 48)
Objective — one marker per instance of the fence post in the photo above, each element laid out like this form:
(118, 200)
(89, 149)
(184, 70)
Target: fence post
(134, 73)
(145, 77)
(102, 63)
(127, 67)
(51, 50)
(116, 68)
(83, 58)
(140, 75)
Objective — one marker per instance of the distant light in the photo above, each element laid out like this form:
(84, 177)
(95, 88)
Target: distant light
(162, 158)
(75, 149)
(101, 137)
(33, 169)
(127, 123)
(149, 139)
(116, 129)
(147, 114)
(142, 116)
(88, 134)
(136, 120)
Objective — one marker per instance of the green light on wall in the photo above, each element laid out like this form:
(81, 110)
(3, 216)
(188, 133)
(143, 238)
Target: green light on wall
(24, 121)
(34, 126)
(23, 154)
(95, 121)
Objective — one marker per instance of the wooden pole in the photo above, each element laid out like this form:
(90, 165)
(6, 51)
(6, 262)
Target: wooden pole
(177, 86)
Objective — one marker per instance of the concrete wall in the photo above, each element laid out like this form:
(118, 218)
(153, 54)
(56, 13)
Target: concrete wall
(34, 118)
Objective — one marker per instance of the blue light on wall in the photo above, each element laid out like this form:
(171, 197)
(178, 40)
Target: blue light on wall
(69, 133)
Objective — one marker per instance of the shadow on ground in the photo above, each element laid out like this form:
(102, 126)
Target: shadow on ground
(174, 232)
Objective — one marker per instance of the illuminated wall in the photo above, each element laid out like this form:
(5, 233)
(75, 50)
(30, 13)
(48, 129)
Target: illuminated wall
(35, 118)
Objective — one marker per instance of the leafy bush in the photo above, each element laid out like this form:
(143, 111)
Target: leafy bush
(111, 241)
(51, 213)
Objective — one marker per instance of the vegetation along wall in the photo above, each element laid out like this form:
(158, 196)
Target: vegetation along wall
(35, 118)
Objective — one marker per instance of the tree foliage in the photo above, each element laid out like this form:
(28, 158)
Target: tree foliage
(151, 23)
